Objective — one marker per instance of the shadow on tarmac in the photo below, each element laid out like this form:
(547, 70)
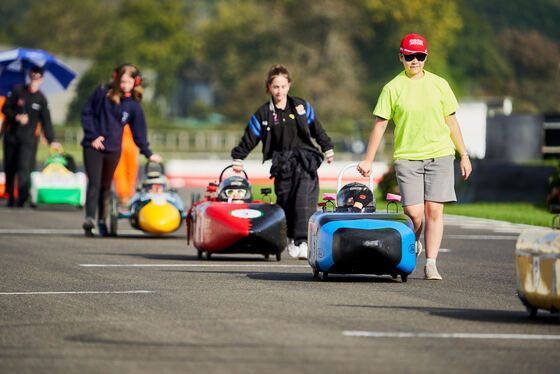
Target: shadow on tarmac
(287, 277)
(56, 207)
(97, 339)
(276, 276)
(143, 235)
(153, 256)
(215, 259)
(477, 315)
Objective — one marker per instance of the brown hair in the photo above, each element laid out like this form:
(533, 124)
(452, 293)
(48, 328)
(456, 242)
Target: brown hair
(115, 94)
(274, 71)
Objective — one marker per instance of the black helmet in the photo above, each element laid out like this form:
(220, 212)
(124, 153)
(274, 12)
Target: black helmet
(235, 188)
(355, 197)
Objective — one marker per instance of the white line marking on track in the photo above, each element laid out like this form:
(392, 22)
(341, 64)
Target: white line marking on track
(481, 237)
(456, 335)
(54, 232)
(444, 250)
(40, 231)
(75, 292)
(505, 230)
(196, 265)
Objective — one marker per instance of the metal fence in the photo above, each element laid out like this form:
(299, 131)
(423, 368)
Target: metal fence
(210, 141)
(171, 140)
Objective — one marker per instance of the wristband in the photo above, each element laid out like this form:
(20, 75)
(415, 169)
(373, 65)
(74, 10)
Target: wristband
(464, 154)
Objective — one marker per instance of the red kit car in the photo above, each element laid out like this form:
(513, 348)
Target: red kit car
(227, 220)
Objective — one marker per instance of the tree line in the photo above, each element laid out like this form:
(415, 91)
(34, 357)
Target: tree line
(340, 52)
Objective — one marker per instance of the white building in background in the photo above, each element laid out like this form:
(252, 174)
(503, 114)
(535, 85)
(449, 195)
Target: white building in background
(472, 120)
(472, 117)
(59, 103)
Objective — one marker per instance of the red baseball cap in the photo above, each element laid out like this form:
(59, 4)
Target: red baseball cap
(414, 43)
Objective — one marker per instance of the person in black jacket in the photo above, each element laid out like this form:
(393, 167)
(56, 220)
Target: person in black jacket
(27, 114)
(108, 109)
(285, 125)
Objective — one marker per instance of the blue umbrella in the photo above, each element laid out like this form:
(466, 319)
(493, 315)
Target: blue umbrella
(16, 63)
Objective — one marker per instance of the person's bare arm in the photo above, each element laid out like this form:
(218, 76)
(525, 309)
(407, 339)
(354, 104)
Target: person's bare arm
(379, 127)
(457, 138)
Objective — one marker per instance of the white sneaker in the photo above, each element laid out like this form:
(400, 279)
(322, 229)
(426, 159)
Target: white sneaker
(430, 272)
(293, 250)
(302, 251)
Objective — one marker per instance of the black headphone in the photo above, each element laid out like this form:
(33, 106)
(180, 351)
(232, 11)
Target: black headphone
(137, 80)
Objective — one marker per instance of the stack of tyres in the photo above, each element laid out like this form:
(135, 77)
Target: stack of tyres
(538, 269)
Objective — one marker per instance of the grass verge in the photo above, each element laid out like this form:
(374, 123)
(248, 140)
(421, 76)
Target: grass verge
(524, 213)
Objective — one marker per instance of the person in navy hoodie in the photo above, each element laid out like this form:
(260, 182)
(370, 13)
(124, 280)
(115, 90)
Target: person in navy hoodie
(107, 111)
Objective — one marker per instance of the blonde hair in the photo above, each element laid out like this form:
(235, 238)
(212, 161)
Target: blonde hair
(115, 93)
(274, 71)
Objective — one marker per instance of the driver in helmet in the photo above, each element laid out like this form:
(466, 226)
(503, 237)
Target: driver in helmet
(235, 189)
(154, 183)
(354, 197)
(156, 187)
(235, 194)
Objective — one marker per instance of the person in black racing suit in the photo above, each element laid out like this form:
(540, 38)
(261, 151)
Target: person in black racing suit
(27, 114)
(285, 125)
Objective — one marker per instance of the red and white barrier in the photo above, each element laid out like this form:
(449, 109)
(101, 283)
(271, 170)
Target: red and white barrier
(198, 173)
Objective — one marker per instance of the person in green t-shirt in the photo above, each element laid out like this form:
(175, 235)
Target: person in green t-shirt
(422, 106)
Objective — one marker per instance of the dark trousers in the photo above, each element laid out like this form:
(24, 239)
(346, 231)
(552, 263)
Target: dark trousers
(19, 160)
(297, 194)
(100, 167)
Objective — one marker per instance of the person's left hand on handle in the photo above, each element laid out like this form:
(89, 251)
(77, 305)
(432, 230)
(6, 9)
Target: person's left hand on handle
(364, 168)
(330, 156)
(237, 166)
(156, 158)
(98, 143)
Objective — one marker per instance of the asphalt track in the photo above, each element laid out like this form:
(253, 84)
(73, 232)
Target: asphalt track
(142, 304)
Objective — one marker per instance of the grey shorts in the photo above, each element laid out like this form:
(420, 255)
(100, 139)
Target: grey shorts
(426, 180)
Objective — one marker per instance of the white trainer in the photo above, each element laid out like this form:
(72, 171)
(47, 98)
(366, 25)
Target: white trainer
(431, 272)
(293, 250)
(302, 251)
